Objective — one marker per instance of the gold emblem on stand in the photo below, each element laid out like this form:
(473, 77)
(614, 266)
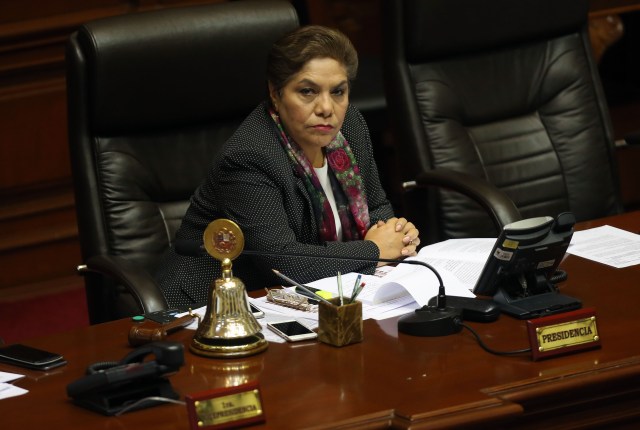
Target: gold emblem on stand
(228, 328)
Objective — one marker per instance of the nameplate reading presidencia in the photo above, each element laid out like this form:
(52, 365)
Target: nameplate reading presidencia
(563, 333)
(225, 407)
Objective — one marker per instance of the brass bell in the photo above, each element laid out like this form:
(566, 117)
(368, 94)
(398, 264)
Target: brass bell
(228, 328)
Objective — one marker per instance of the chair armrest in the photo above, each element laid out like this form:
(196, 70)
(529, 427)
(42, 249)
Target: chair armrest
(496, 203)
(136, 280)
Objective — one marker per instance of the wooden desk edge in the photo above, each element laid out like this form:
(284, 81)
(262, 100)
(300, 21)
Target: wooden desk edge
(491, 410)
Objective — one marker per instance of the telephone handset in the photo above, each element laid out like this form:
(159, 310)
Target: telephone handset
(109, 387)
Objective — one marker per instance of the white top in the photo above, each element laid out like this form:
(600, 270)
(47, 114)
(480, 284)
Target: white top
(323, 177)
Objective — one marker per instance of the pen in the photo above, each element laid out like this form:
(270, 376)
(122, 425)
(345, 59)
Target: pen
(340, 289)
(355, 288)
(302, 287)
(359, 290)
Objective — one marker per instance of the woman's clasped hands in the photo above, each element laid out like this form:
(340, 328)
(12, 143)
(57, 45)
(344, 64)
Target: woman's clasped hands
(395, 238)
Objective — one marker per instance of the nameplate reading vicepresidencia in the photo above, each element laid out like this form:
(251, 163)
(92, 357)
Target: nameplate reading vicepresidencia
(225, 408)
(563, 333)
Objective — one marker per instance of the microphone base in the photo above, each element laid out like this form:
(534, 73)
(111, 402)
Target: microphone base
(429, 321)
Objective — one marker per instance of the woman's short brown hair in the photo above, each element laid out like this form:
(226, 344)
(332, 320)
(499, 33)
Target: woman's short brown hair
(291, 52)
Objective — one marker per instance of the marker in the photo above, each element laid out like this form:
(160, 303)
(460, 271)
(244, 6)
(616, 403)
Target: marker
(359, 290)
(355, 288)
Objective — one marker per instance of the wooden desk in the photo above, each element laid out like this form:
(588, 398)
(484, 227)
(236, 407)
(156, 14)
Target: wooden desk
(389, 379)
(608, 7)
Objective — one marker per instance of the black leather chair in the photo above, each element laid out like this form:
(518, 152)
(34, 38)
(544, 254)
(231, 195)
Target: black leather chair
(151, 97)
(504, 92)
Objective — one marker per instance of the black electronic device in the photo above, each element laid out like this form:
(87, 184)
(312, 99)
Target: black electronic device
(256, 311)
(518, 273)
(472, 308)
(438, 320)
(292, 330)
(164, 316)
(30, 358)
(135, 382)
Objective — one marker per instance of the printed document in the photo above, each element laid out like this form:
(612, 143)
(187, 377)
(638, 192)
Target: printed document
(8, 390)
(607, 245)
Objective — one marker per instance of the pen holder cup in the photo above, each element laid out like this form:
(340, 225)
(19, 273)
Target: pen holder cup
(339, 325)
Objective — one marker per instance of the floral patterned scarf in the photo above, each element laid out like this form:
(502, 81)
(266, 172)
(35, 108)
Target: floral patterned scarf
(346, 183)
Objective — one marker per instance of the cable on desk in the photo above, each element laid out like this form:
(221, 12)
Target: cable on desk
(148, 399)
(488, 349)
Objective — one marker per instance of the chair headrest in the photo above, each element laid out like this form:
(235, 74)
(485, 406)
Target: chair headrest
(180, 65)
(439, 28)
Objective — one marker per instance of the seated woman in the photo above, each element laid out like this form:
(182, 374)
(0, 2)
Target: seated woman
(298, 176)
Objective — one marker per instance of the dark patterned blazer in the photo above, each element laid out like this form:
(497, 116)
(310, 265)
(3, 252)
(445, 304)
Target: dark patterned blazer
(252, 182)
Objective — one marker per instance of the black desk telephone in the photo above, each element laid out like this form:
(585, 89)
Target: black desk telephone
(112, 387)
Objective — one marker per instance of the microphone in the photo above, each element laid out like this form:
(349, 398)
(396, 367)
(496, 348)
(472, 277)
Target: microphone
(429, 320)
(189, 248)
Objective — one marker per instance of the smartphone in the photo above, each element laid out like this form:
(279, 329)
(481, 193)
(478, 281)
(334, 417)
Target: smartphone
(292, 330)
(29, 357)
(164, 316)
(256, 311)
